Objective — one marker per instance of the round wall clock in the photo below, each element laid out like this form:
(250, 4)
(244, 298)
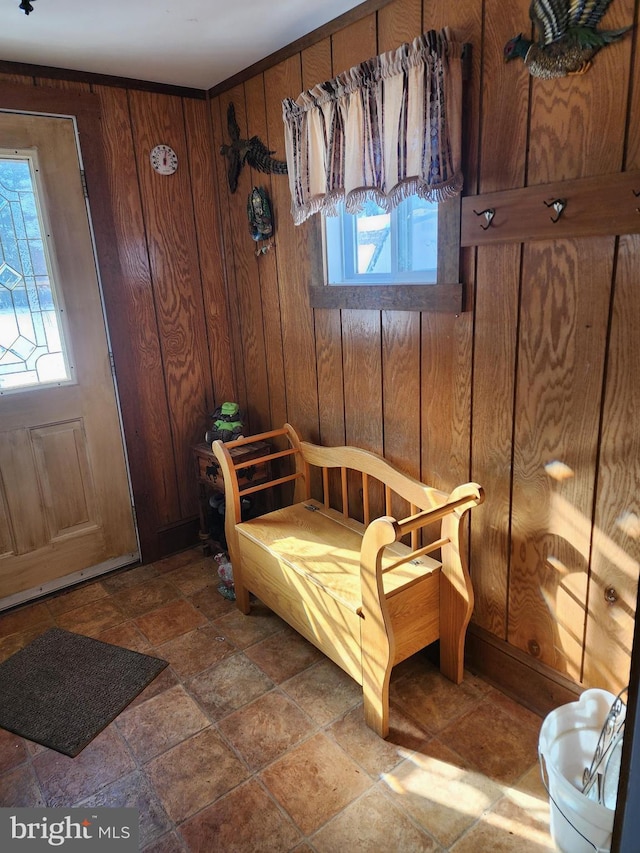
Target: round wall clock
(164, 159)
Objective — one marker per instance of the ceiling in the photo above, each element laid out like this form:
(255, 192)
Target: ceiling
(194, 43)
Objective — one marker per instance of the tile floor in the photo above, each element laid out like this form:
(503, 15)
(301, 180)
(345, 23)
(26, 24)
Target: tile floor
(252, 741)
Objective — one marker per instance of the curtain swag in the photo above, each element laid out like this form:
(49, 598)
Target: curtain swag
(386, 129)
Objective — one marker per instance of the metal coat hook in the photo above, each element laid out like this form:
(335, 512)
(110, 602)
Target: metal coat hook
(488, 214)
(558, 204)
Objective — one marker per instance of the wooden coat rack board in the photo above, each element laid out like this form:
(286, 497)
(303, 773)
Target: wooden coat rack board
(606, 204)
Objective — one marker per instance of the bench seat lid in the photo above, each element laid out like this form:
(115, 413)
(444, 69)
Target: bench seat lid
(324, 546)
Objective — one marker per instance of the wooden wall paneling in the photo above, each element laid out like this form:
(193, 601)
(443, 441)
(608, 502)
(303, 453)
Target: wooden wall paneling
(632, 158)
(401, 393)
(505, 99)
(297, 259)
(495, 340)
(316, 63)
(134, 332)
(446, 399)
(616, 545)
(361, 329)
(577, 122)
(328, 332)
(446, 343)
(330, 378)
(316, 67)
(398, 23)
(208, 237)
(247, 281)
(267, 296)
(218, 109)
(168, 211)
(615, 562)
(441, 13)
(563, 325)
(355, 43)
(361, 343)
(610, 626)
(236, 264)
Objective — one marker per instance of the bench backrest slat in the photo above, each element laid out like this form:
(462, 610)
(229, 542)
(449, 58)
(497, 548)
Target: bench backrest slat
(373, 467)
(414, 533)
(325, 486)
(345, 492)
(252, 439)
(365, 498)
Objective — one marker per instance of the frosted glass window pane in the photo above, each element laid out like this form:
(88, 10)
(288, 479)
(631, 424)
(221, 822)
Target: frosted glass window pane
(32, 350)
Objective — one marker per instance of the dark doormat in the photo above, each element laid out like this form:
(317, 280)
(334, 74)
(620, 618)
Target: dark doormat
(63, 689)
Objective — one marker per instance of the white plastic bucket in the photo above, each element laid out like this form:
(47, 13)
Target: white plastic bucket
(567, 743)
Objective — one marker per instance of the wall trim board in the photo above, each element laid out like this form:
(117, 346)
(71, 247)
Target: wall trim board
(597, 206)
(529, 682)
(28, 70)
(47, 100)
(445, 298)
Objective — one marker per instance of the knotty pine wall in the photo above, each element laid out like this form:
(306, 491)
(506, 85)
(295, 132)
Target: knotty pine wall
(163, 288)
(541, 367)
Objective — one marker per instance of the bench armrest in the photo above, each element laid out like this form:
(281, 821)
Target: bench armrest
(456, 590)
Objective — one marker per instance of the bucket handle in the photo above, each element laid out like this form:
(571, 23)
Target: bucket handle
(545, 781)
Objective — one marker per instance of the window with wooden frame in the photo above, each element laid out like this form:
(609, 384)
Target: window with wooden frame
(406, 259)
(382, 139)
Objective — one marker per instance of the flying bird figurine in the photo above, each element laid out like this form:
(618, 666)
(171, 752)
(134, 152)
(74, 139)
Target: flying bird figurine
(567, 37)
(253, 151)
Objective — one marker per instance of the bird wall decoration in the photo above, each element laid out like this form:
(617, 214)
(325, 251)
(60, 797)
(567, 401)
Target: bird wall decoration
(252, 151)
(567, 37)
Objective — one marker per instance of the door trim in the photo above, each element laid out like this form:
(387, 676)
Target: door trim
(93, 528)
(85, 108)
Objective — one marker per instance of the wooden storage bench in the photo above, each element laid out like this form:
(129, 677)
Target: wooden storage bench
(365, 598)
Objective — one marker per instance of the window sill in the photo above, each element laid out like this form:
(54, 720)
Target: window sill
(443, 298)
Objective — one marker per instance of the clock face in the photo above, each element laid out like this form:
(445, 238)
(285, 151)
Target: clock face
(164, 159)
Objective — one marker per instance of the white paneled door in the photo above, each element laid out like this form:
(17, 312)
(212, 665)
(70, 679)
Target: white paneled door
(65, 506)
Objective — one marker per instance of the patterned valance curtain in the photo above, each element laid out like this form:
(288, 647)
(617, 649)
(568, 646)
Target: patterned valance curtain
(387, 128)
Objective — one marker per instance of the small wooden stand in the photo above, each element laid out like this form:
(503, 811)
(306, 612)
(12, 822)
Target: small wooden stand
(210, 481)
